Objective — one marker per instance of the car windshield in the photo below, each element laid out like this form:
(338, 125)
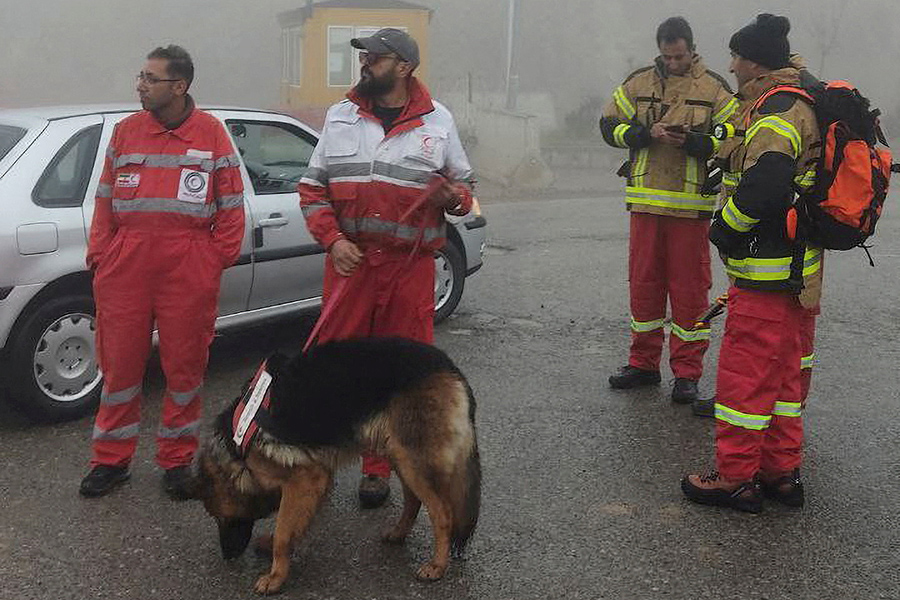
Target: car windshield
(9, 137)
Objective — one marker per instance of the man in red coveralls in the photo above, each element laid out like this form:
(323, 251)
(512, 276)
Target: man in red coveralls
(168, 218)
(382, 149)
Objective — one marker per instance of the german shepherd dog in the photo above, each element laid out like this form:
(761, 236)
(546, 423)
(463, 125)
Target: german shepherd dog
(401, 399)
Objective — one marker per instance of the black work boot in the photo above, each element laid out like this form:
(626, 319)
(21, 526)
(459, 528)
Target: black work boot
(714, 490)
(102, 480)
(787, 489)
(373, 491)
(705, 407)
(684, 391)
(631, 377)
(179, 483)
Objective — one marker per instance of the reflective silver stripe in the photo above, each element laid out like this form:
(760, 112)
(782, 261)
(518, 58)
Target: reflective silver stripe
(184, 398)
(403, 232)
(619, 134)
(163, 205)
(311, 209)
(349, 170)
(759, 269)
(104, 190)
(125, 396)
(666, 199)
(739, 419)
(646, 326)
(166, 161)
(807, 362)
(812, 261)
(788, 409)
(122, 433)
(736, 219)
(189, 430)
(315, 175)
(623, 103)
(230, 201)
(690, 335)
(401, 173)
(726, 112)
(223, 162)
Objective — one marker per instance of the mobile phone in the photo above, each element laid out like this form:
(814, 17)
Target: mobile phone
(675, 128)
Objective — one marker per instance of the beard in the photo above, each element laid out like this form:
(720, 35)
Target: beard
(370, 86)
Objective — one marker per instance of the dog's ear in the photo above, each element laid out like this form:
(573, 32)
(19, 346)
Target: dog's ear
(276, 363)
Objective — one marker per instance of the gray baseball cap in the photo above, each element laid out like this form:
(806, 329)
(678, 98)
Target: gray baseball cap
(385, 41)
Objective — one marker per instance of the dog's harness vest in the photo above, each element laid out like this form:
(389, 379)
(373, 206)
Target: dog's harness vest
(255, 399)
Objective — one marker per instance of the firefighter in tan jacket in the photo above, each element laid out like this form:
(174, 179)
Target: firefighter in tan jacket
(664, 115)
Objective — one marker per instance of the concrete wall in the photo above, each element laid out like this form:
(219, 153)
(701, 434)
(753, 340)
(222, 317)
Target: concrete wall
(506, 148)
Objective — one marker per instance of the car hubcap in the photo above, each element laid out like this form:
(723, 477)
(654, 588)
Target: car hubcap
(64, 363)
(443, 280)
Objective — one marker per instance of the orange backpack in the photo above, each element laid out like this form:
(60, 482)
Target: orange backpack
(841, 209)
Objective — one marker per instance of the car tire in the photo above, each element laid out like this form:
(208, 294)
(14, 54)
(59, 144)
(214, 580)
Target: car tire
(55, 376)
(449, 280)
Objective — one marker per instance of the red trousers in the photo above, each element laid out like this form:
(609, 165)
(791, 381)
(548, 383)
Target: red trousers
(668, 258)
(759, 424)
(388, 295)
(171, 278)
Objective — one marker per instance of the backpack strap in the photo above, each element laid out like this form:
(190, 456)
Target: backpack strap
(791, 89)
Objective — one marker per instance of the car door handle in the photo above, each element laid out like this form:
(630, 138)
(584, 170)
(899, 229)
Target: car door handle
(274, 220)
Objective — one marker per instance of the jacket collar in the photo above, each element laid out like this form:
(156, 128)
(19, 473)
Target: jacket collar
(418, 105)
(753, 89)
(181, 127)
(697, 70)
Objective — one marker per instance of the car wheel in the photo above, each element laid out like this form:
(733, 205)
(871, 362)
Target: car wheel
(55, 372)
(449, 280)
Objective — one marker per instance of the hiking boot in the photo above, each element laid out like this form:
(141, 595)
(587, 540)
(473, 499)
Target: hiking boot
(631, 377)
(179, 483)
(373, 491)
(102, 480)
(684, 391)
(714, 490)
(704, 408)
(787, 489)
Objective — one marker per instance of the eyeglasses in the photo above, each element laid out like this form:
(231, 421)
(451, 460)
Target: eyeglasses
(151, 79)
(370, 58)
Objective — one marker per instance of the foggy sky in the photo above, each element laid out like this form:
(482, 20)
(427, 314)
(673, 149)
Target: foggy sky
(79, 51)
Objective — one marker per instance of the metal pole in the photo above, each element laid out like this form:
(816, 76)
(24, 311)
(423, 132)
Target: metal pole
(512, 75)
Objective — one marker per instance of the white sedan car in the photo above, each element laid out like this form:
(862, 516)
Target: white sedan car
(50, 163)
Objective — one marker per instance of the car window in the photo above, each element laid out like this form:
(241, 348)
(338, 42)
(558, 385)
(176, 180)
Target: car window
(276, 154)
(66, 178)
(9, 137)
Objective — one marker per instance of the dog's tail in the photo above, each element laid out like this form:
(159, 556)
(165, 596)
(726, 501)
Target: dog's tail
(466, 495)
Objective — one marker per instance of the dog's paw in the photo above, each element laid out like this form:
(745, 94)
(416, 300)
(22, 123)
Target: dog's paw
(430, 572)
(394, 535)
(268, 584)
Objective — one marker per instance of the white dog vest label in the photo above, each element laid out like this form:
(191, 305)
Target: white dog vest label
(252, 407)
(128, 180)
(193, 186)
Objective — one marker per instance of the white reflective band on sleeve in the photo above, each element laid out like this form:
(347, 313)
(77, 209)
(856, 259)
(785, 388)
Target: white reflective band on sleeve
(726, 112)
(623, 103)
(252, 407)
(619, 134)
(779, 126)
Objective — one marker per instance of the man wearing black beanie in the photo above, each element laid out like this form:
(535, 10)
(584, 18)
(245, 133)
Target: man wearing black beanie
(775, 280)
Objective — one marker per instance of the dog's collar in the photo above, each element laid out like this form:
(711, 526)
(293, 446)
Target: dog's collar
(243, 421)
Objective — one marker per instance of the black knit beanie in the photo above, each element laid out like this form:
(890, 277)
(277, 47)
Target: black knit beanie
(764, 41)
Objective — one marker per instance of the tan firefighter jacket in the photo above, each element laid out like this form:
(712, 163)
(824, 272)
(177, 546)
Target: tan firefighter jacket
(663, 179)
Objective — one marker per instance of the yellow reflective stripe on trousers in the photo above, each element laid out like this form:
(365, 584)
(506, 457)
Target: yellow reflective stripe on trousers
(646, 326)
(760, 269)
(692, 335)
(619, 134)
(623, 103)
(691, 175)
(736, 219)
(779, 126)
(726, 112)
(807, 361)
(667, 199)
(812, 261)
(739, 419)
(640, 167)
(788, 409)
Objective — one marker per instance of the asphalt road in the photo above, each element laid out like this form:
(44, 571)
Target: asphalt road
(580, 497)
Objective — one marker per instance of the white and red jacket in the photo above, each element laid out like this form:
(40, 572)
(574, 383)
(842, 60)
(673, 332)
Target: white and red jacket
(155, 178)
(361, 180)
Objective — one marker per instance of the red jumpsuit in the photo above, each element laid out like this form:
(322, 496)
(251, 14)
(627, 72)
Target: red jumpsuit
(360, 184)
(168, 218)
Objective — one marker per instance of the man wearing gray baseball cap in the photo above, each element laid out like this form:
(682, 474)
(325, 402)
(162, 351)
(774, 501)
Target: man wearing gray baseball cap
(387, 169)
